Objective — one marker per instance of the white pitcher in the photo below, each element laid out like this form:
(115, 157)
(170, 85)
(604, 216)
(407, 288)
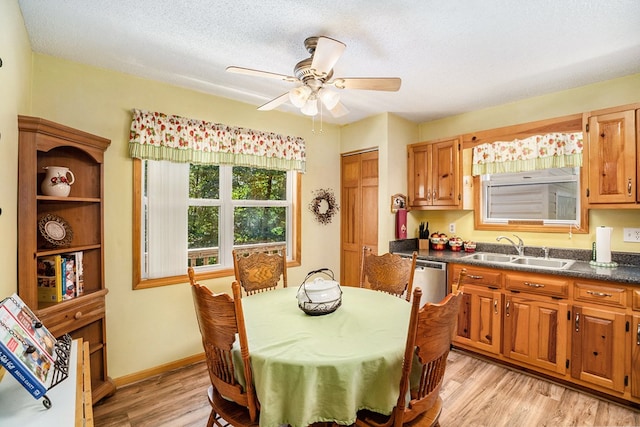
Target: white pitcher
(57, 181)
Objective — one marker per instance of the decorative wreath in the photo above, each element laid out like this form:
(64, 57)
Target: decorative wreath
(324, 205)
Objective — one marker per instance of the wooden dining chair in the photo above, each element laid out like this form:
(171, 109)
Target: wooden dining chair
(220, 319)
(260, 270)
(388, 273)
(459, 283)
(428, 342)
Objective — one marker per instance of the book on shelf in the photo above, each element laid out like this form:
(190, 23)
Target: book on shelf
(49, 276)
(79, 273)
(68, 273)
(27, 348)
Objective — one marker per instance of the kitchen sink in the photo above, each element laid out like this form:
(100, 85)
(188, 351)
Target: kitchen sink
(523, 261)
(480, 256)
(552, 263)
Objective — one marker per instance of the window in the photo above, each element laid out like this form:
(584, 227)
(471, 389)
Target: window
(549, 196)
(194, 215)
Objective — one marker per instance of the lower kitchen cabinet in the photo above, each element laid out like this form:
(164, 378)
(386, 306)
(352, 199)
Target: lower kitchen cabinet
(583, 332)
(599, 347)
(635, 356)
(536, 320)
(535, 332)
(479, 321)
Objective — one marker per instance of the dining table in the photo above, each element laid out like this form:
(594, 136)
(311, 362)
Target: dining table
(324, 368)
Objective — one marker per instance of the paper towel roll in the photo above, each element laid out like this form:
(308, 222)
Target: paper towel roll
(603, 244)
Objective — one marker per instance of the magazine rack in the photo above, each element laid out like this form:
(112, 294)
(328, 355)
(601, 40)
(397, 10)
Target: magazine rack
(61, 366)
(60, 372)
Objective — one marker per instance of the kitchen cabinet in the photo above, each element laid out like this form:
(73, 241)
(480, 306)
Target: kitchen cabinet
(600, 332)
(635, 356)
(434, 177)
(536, 320)
(599, 347)
(479, 325)
(583, 332)
(80, 214)
(612, 157)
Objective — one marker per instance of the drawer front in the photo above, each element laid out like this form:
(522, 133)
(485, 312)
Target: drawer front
(600, 293)
(65, 318)
(537, 284)
(478, 276)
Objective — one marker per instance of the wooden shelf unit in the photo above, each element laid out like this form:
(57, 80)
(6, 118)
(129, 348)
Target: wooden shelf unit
(45, 143)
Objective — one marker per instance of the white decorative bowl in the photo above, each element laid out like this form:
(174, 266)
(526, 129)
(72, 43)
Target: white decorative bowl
(321, 296)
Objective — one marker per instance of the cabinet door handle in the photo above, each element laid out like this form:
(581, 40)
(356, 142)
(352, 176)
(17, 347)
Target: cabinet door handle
(629, 186)
(428, 195)
(534, 285)
(599, 294)
(638, 335)
(472, 276)
(506, 308)
(577, 322)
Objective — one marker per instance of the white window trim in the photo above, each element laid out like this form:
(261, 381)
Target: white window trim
(227, 206)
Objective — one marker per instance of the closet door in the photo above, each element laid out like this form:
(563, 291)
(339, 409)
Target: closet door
(358, 212)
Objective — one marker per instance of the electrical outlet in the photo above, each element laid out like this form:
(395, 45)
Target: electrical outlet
(631, 235)
(452, 227)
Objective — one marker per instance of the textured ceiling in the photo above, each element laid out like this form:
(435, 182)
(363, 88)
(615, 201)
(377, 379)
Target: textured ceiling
(453, 55)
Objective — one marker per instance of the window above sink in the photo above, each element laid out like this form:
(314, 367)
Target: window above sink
(544, 200)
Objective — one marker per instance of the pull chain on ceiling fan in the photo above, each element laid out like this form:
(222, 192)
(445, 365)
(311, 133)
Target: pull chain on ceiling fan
(314, 74)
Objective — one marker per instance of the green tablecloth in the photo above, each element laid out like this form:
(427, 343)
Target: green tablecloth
(325, 368)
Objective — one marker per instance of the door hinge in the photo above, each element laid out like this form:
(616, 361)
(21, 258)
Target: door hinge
(568, 314)
(566, 364)
(459, 196)
(587, 192)
(587, 127)
(626, 380)
(627, 327)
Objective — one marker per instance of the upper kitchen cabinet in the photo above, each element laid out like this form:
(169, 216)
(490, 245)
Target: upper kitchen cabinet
(434, 174)
(612, 158)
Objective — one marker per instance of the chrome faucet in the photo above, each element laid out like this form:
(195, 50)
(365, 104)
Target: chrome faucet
(519, 247)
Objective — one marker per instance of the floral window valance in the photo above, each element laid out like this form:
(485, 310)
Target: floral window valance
(553, 150)
(158, 136)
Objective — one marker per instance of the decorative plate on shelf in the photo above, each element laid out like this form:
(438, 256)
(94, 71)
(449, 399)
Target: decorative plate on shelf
(55, 230)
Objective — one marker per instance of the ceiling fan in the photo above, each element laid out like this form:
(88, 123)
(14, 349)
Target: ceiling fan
(314, 75)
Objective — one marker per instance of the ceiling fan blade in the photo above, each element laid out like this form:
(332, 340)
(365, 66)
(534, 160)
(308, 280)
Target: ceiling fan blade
(259, 73)
(327, 53)
(276, 102)
(391, 84)
(339, 110)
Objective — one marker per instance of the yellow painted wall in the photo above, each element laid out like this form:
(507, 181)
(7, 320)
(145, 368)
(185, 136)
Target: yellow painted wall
(389, 134)
(15, 84)
(159, 323)
(606, 94)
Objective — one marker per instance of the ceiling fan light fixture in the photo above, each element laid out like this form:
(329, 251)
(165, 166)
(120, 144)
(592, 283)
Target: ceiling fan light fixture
(329, 98)
(300, 95)
(310, 108)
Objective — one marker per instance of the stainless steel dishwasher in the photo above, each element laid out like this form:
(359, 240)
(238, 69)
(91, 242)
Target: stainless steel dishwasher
(431, 277)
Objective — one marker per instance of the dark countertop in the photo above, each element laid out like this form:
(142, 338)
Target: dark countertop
(627, 271)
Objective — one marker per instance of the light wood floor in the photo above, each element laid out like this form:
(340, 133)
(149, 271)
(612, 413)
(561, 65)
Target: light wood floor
(475, 393)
